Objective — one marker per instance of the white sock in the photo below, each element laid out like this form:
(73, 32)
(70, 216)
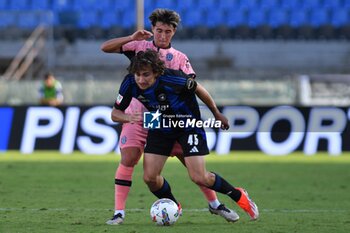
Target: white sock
(120, 211)
(214, 204)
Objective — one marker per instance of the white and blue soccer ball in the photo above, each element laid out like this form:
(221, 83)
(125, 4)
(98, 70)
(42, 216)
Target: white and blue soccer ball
(164, 212)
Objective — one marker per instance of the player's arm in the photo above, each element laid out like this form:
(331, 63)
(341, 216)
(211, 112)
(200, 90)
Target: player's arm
(122, 102)
(115, 45)
(206, 98)
(120, 116)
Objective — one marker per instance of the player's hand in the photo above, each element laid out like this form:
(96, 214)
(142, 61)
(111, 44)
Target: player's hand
(141, 35)
(135, 117)
(224, 121)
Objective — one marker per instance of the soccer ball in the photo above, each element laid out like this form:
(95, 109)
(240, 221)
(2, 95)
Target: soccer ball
(164, 212)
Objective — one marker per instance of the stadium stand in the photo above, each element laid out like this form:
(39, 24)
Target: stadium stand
(264, 42)
(307, 17)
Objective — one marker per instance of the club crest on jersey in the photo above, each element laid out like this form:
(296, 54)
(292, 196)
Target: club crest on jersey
(119, 99)
(123, 140)
(169, 56)
(142, 99)
(161, 97)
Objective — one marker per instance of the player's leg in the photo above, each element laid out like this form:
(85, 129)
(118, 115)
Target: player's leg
(131, 143)
(123, 180)
(209, 194)
(199, 175)
(152, 167)
(123, 177)
(157, 151)
(195, 144)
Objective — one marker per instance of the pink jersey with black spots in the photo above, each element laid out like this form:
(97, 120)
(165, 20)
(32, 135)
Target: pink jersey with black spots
(173, 58)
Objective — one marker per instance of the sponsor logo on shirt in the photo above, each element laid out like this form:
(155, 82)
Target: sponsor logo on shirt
(119, 99)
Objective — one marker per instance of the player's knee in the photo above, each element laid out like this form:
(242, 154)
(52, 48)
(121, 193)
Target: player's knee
(199, 180)
(129, 162)
(130, 156)
(149, 179)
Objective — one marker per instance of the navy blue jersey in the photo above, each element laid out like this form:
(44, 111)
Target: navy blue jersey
(173, 94)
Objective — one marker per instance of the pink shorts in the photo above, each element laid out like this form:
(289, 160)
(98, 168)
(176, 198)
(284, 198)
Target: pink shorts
(134, 135)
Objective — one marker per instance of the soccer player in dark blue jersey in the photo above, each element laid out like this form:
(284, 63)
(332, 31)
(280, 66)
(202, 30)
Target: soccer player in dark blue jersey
(172, 93)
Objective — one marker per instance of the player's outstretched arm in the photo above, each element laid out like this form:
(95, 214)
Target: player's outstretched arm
(115, 45)
(121, 117)
(204, 95)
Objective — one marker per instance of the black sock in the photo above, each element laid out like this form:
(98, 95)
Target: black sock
(222, 186)
(165, 192)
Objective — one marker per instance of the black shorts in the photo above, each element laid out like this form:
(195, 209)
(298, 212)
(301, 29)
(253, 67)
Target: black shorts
(193, 142)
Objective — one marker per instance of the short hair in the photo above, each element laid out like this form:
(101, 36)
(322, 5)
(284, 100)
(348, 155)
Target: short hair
(148, 58)
(166, 16)
(47, 75)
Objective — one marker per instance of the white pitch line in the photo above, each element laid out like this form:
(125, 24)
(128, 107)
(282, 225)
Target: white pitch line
(185, 210)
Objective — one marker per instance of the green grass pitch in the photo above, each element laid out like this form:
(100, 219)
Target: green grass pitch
(50, 192)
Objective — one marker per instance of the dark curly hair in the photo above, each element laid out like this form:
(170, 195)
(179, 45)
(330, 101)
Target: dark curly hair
(144, 59)
(165, 16)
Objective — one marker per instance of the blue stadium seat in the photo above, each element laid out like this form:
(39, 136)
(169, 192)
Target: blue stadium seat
(207, 5)
(186, 5)
(7, 19)
(168, 4)
(215, 18)
(67, 18)
(237, 18)
(19, 5)
(40, 5)
(299, 17)
(85, 5)
(109, 19)
(332, 4)
(192, 18)
(311, 4)
(340, 17)
(28, 20)
(123, 5)
(149, 5)
(269, 4)
(46, 18)
(256, 17)
(346, 4)
(278, 17)
(148, 11)
(228, 4)
(58, 5)
(92, 5)
(319, 17)
(128, 19)
(290, 4)
(3, 5)
(87, 19)
(249, 4)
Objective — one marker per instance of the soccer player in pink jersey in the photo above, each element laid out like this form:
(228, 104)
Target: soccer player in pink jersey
(133, 136)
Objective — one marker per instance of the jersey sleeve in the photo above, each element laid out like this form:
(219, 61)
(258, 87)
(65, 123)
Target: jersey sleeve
(186, 66)
(183, 83)
(190, 86)
(124, 95)
(129, 49)
(130, 46)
